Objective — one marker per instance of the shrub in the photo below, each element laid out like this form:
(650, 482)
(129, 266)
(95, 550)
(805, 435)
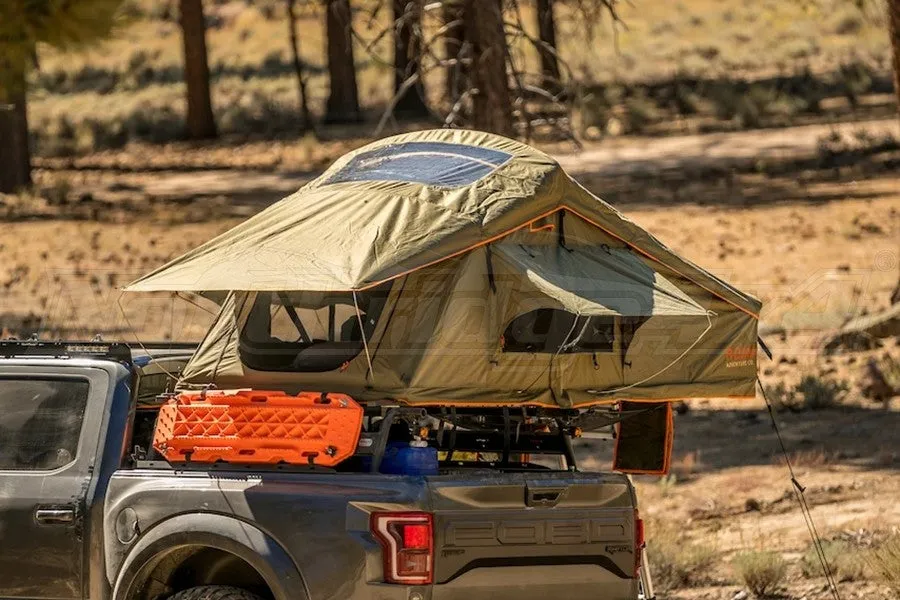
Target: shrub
(754, 105)
(761, 571)
(55, 136)
(686, 100)
(844, 561)
(163, 11)
(594, 110)
(885, 561)
(641, 111)
(856, 79)
(848, 24)
(812, 393)
(677, 563)
(780, 396)
(821, 393)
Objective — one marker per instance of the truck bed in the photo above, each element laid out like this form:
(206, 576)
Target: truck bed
(497, 535)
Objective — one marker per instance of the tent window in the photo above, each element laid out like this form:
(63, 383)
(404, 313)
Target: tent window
(308, 331)
(431, 163)
(546, 330)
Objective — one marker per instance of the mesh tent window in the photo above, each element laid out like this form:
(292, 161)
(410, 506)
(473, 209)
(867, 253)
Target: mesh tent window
(431, 163)
(545, 331)
(308, 331)
(548, 330)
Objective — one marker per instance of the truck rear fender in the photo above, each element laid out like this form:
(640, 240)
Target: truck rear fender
(210, 530)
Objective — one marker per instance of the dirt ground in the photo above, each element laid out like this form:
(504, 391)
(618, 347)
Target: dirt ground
(731, 491)
(808, 219)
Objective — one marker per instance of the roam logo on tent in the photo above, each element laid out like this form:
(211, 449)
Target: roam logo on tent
(740, 356)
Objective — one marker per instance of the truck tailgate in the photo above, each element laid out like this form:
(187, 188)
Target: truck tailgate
(531, 536)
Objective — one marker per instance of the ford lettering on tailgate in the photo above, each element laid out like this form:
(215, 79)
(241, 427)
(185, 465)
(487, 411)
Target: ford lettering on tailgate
(521, 532)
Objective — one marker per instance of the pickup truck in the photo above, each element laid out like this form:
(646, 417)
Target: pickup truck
(88, 511)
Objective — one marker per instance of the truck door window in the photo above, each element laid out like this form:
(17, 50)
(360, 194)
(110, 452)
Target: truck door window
(40, 422)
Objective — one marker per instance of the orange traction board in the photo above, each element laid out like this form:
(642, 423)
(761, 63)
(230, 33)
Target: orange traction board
(252, 426)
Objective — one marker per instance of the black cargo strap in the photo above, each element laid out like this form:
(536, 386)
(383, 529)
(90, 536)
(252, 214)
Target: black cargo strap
(490, 269)
(507, 434)
(331, 323)
(295, 318)
(454, 422)
(561, 230)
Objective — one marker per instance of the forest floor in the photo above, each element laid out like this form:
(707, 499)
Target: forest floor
(806, 218)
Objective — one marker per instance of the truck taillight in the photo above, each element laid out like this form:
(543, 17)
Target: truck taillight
(639, 542)
(407, 542)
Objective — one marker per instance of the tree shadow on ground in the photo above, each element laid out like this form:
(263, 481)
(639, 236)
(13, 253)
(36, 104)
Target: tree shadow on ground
(747, 182)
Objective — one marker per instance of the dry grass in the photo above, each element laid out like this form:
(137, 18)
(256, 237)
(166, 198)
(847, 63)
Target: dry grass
(885, 561)
(677, 562)
(845, 561)
(763, 572)
(815, 457)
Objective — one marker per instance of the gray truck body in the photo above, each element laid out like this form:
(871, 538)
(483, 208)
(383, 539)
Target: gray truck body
(104, 526)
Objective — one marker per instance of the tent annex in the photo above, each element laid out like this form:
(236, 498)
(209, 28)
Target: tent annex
(456, 267)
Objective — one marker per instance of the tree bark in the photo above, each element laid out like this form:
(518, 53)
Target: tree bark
(343, 96)
(407, 56)
(893, 8)
(893, 16)
(547, 35)
(298, 66)
(491, 106)
(457, 77)
(15, 155)
(200, 121)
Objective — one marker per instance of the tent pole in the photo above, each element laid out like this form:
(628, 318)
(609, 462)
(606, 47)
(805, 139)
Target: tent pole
(362, 332)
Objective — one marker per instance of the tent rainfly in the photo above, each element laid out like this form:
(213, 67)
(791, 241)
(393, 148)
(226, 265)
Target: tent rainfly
(461, 268)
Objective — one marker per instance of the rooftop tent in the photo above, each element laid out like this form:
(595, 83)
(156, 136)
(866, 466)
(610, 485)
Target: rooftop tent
(459, 267)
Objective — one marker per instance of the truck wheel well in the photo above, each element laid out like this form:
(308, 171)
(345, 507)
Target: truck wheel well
(191, 566)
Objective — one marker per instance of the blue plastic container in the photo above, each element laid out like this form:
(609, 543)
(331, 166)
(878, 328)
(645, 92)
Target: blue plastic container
(410, 458)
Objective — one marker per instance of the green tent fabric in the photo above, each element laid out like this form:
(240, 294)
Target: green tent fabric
(571, 275)
(453, 267)
(344, 232)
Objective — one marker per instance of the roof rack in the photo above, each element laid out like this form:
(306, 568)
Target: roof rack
(161, 345)
(65, 349)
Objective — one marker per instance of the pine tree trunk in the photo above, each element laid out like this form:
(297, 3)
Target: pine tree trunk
(343, 96)
(15, 156)
(491, 107)
(200, 121)
(407, 54)
(457, 78)
(298, 66)
(893, 7)
(547, 35)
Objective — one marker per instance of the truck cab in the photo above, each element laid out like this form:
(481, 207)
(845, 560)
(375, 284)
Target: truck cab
(64, 414)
